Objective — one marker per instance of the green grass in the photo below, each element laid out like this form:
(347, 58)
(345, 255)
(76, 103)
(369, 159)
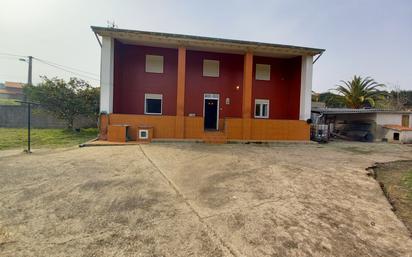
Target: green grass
(407, 181)
(14, 138)
(8, 102)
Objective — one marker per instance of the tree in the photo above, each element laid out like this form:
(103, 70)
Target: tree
(358, 93)
(398, 98)
(65, 100)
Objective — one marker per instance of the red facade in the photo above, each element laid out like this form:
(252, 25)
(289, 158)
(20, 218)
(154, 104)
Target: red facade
(131, 82)
(227, 85)
(283, 89)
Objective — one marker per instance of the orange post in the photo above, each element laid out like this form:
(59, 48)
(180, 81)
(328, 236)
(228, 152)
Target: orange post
(103, 124)
(180, 103)
(247, 95)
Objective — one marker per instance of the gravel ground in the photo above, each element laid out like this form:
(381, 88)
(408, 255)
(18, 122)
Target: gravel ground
(186, 199)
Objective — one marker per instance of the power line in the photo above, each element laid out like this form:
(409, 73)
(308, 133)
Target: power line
(76, 73)
(8, 57)
(67, 67)
(12, 55)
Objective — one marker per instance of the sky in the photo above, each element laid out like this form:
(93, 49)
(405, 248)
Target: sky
(361, 37)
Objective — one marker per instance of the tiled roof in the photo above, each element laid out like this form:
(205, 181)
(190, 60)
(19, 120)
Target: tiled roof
(13, 84)
(397, 127)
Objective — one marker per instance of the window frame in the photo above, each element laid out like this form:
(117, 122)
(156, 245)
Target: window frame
(155, 97)
(259, 75)
(210, 61)
(147, 67)
(262, 102)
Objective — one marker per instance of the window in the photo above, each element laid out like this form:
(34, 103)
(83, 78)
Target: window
(210, 68)
(396, 136)
(153, 103)
(405, 120)
(262, 72)
(261, 108)
(154, 63)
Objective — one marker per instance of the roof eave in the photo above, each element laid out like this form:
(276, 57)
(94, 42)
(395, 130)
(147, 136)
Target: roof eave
(190, 40)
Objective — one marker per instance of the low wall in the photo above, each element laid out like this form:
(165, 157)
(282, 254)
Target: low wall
(163, 126)
(16, 117)
(260, 129)
(280, 130)
(265, 129)
(193, 127)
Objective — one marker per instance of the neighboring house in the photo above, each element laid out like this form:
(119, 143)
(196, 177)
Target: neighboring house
(190, 87)
(388, 125)
(12, 90)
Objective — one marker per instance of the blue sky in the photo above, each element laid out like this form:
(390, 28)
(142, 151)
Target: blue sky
(363, 37)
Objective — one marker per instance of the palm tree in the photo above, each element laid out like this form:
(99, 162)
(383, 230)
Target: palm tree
(359, 93)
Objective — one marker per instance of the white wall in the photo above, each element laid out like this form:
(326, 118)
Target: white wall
(306, 87)
(404, 136)
(389, 118)
(106, 75)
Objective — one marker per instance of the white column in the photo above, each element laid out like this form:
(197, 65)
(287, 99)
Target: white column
(106, 75)
(306, 88)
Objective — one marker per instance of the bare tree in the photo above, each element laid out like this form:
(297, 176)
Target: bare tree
(398, 98)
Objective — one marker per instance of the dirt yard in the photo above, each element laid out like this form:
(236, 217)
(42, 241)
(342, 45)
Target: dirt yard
(200, 200)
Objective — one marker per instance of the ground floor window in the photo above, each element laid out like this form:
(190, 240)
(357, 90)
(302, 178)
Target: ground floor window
(153, 103)
(261, 108)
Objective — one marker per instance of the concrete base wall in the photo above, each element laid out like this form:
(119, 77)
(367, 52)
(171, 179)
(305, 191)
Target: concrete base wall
(233, 128)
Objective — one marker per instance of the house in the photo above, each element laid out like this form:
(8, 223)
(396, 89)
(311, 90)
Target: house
(202, 88)
(367, 124)
(11, 90)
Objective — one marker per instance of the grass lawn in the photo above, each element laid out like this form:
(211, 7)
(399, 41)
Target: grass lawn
(44, 138)
(396, 178)
(407, 181)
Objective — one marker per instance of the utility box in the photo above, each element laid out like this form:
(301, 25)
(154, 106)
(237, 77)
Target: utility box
(144, 134)
(117, 133)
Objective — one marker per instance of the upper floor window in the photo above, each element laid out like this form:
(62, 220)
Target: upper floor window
(262, 72)
(154, 63)
(210, 68)
(261, 108)
(153, 103)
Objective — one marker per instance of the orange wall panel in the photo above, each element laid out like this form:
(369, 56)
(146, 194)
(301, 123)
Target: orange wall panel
(233, 128)
(193, 127)
(279, 130)
(163, 126)
(260, 129)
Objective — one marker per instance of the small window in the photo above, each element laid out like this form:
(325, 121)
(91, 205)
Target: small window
(396, 136)
(153, 103)
(262, 72)
(210, 68)
(261, 108)
(154, 63)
